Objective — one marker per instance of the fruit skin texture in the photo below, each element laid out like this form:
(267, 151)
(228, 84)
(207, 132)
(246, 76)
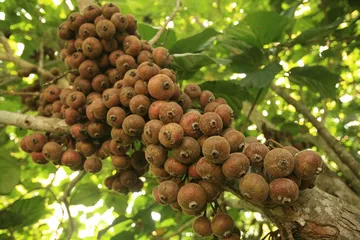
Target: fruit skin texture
(307, 164)
(236, 140)
(236, 166)
(202, 226)
(161, 87)
(278, 163)
(151, 131)
(208, 170)
(168, 191)
(156, 154)
(283, 191)
(52, 151)
(170, 135)
(222, 225)
(191, 197)
(133, 125)
(256, 153)
(188, 151)
(190, 123)
(216, 149)
(210, 124)
(212, 189)
(254, 187)
(226, 114)
(175, 168)
(36, 141)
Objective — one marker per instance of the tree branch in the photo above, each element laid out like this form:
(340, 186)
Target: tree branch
(162, 29)
(314, 215)
(21, 63)
(179, 230)
(339, 149)
(12, 93)
(25, 121)
(71, 185)
(5, 43)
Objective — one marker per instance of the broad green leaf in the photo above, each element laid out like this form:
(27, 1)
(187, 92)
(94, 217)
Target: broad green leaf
(318, 78)
(86, 194)
(248, 61)
(118, 201)
(233, 93)
(267, 26)
(262, 77)
(124, 235)
(240, 36)
(25, 212)
(195, 43)
(192, 62)
(316, 33)
(147, 32)
(10, 175)
(9, 219)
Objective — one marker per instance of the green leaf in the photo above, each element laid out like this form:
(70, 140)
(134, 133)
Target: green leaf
(118, 201)
(23, 213)
(192, 62)
(147, 32)
(318, 78)
(267, 26)
(10, 175)
(9, 219)
(240, 36)
(195, 43)
(317, 33)
(233, 93)
(124, 235)
(262, 77)
(248, 61)
(86, 194)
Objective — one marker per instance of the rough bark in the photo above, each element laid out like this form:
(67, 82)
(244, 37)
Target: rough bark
(315, 215)
(53, 125)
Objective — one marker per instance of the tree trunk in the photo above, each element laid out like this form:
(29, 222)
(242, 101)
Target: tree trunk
(315, 215)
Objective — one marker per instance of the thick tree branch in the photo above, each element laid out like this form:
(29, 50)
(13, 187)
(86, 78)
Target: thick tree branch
(21, 63)
(339, 149)
(53, 125)
(315, 215)
(162, 29)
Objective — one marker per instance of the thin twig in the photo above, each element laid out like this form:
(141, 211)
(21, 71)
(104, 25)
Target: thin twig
(12, 93)
(71, 185)
(41, 54)
(162, 29)
(8, 79)
(251, 110)
(71, 221)
(179, 230)
(5, 43)
(54, 80)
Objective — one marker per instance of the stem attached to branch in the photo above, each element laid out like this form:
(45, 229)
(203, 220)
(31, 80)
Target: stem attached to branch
(162, 29)
(71, 185)
(339, 149)
(53, 125)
